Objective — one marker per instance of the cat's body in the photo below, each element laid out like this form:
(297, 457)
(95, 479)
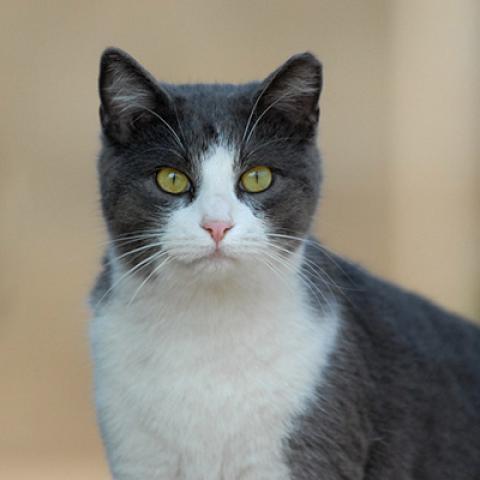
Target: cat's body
(401, 393)
(207, 383)
(258, 355)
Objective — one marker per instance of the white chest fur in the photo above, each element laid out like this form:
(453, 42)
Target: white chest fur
(205, 385)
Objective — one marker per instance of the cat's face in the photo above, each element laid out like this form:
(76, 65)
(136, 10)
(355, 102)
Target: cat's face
(207, 177)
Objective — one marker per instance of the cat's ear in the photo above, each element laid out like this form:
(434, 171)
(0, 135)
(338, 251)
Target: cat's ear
(293, 89)
(129, 95)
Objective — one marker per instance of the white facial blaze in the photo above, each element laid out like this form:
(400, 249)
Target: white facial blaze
(203, 376)
(216, 201)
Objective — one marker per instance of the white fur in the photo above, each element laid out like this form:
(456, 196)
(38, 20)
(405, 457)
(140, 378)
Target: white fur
(216, 201)
(202, 376)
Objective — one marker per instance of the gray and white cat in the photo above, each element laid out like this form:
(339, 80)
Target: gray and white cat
(228, 344)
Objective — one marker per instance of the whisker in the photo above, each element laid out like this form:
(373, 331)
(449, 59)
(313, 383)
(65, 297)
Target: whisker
(315, 268)
(159, 149)
(314, 244)
(179, 125)
(136, 234)
(169, 127)
(130, 272)
(303, 277)
(317, 272)
(154, 271)
(312, 266)
(278, 273)
(136, 250)
(252, 112)
(125, 241)
(266, 144)
(257, 121)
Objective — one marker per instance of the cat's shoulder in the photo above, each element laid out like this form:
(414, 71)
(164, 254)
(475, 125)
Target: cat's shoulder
(383, 307)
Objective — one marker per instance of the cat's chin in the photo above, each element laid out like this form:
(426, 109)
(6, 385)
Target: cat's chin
(214, 265)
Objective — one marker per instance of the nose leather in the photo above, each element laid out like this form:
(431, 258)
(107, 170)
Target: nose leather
(217, 229)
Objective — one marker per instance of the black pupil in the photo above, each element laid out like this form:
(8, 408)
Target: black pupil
(173, 176)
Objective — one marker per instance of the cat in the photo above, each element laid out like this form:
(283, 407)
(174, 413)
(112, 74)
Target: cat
(228, 343)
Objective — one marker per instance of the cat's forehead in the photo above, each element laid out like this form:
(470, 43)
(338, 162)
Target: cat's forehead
(212, 113)
(215, 95)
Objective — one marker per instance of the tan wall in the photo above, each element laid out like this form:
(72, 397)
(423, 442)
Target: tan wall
(435, 149)
(399, 135)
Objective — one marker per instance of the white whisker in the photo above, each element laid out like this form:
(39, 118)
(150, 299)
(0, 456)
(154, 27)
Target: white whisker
(252, 112)
(314, 244)
(266, 144)
(139, 249)
(153, 272)
(313, 267)
(292, 268)
(131, 237)
(282, 97)
(130, 272)
(170, 128)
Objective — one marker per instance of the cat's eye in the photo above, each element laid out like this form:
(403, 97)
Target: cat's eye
(257, 179)
(172, 180)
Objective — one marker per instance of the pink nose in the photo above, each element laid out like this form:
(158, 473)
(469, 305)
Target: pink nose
(217, 229)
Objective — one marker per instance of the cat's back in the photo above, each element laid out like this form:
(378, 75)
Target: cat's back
(412, 326)
(417, 369)
(394, 317)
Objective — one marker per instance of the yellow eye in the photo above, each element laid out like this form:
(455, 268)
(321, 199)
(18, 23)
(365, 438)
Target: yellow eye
(172, 180)
(257, 179)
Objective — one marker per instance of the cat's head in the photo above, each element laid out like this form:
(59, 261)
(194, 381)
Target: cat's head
(207, 177)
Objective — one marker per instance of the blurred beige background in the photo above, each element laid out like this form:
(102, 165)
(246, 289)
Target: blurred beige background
(399, 133)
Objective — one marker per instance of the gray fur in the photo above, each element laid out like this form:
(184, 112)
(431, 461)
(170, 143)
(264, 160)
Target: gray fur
(137, 141)
(402, 395)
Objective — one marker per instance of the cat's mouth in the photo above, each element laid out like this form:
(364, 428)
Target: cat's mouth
(217, 254)
(213, 263)
(218, 257)
(224, 255)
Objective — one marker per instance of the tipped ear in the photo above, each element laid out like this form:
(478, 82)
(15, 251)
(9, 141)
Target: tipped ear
(294, 89)
(128, 94)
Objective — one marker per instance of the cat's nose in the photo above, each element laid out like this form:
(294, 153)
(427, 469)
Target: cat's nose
(217, 229)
